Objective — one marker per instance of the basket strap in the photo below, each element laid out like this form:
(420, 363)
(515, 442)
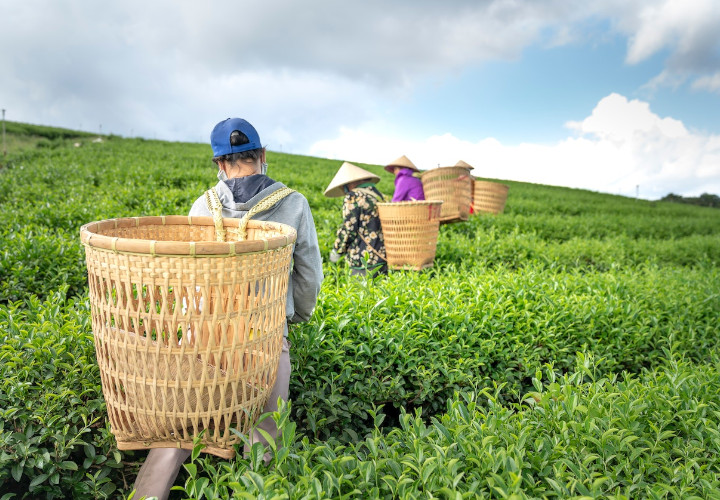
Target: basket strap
(460, 184)
(371, 193)
(215, 206)
(266, 203)
(371, 248)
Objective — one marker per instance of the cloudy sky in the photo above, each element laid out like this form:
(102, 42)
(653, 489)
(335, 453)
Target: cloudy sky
(618, 96)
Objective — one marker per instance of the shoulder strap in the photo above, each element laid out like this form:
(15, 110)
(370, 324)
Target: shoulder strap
(266, 203)
(215, 206)
(370, 247)
(372, 193)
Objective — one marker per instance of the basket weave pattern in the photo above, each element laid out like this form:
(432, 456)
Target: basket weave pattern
(452, 185)
(410, 229)
(188, 331)
(489, 197)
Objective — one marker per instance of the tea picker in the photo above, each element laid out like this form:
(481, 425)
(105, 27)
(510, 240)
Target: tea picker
(408, 186)
(243, 191)
(359, 238)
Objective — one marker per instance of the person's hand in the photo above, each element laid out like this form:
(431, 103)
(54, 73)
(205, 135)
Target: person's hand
(334, 256)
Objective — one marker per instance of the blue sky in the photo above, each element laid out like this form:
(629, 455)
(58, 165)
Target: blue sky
(619, 96)
(531, 98)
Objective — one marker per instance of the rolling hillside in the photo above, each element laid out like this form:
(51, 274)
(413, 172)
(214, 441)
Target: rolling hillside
(564, 348)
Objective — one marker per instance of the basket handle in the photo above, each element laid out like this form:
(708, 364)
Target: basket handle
(215, 206)
(266, 203)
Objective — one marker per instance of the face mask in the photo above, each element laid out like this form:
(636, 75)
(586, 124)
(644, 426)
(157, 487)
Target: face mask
(221, 175)
(263, 168)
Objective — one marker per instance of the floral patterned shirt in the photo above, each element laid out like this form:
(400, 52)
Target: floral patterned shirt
(360, 227)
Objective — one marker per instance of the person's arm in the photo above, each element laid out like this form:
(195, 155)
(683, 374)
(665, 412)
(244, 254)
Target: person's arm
(307, 274)
(348, 230)
(402, 189)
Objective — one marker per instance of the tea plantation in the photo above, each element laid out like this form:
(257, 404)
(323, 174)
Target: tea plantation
(567, 348)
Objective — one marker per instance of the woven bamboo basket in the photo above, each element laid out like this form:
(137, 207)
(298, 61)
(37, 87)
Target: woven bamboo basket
(410, 229)
(452, 185)
(188, 330)
(489, 197)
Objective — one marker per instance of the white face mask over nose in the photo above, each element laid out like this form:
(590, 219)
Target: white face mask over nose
(263, 168)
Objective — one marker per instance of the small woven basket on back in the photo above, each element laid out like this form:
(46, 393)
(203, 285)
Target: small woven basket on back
(452, 185)
(410, 229)
(188, 330)
(489, 197)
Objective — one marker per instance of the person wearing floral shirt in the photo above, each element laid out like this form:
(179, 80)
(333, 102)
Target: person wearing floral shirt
(359, 237)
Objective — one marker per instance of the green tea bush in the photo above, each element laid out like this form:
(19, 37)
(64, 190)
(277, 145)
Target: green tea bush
(372, 343)
(54, 438)
(382, 363)
(26, 129)
(574, 436)
(556, 213)
(487, 240)
(37, 261)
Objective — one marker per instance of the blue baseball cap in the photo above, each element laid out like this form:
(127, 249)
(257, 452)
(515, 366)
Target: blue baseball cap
(224, 143)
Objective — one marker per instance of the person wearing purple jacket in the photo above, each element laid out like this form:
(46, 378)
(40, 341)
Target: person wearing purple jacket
(407, 186)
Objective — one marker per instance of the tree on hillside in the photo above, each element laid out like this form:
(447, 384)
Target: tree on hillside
(704, 200)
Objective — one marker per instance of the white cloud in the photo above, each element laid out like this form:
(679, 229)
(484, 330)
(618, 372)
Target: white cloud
(304, 70)
(287, 107)
(710, 82)
(618, 120)
(121, 46)
(686, 29)
(620, 146)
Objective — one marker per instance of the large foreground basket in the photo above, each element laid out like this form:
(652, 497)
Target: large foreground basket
(452, 185)
(410, 229)
(188, 331)
(489, 197)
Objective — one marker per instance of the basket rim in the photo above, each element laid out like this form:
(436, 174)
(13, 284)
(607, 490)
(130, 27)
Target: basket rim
(89, 237)
(409, 203)
(479, 180)
(432, 172)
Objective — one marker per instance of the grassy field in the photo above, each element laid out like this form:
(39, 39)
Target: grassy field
(567, 348)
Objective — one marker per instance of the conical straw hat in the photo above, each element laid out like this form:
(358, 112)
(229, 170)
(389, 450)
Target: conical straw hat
(403, 161)
(346, 174)
(464, 165)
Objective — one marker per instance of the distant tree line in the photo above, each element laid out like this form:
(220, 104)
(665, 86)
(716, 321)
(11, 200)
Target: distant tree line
(704, 200)
(50, 133)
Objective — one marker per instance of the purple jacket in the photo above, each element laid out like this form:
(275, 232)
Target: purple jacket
(407, 187)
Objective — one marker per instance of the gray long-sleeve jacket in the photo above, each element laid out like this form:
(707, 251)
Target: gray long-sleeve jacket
(306, 272)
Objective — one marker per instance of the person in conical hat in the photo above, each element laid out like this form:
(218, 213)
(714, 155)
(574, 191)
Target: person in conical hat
(242, 185)
(347, 174)
(359, 238)
(464, 164)
(407, 186)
